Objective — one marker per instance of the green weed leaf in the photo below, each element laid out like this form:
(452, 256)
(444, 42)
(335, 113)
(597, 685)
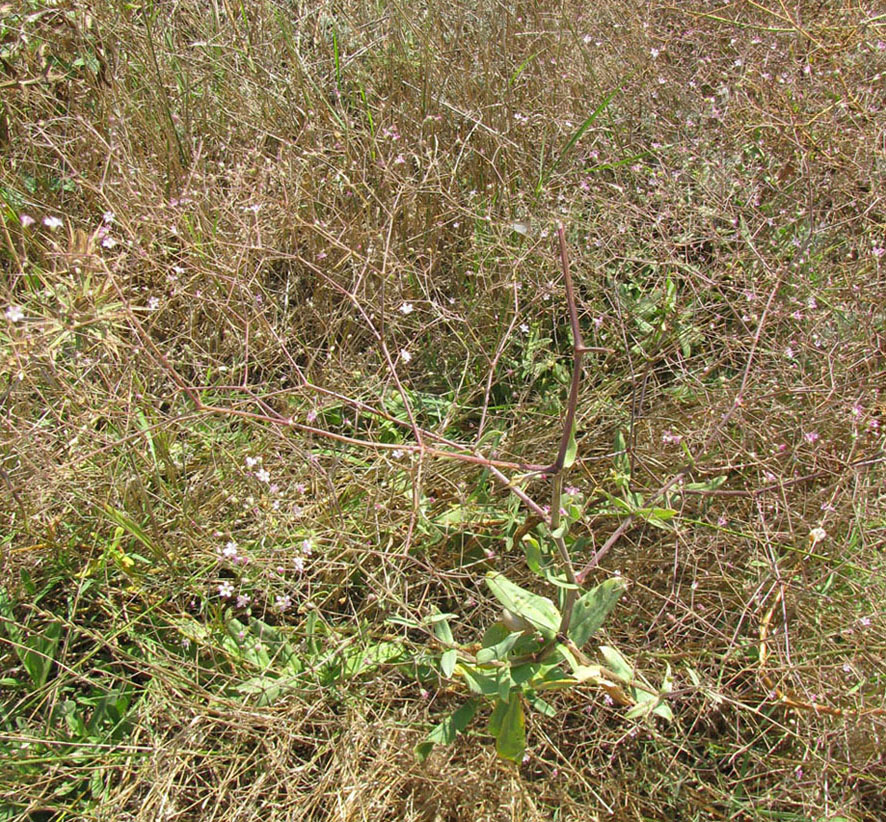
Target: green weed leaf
(592, 609)
(39, 653)
(448, 661)
(510, 742)
(537, 610)
(446, 732)
(571, 449)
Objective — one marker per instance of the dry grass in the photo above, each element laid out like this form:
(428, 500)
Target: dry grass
(302, 216)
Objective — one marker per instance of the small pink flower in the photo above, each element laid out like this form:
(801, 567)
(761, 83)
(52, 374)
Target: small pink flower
(15, 314)
(811, 437)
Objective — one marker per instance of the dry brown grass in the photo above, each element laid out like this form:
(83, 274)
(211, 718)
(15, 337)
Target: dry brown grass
(287, 181)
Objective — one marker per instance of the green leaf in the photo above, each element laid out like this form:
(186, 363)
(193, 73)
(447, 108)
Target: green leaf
(447, 662)
(711, 485)
(39, 653)
(544, 708)
(264, 690)
(505, 683)
(493, 728)
(603, 105)
(494, 634)
(442, 631)
(539, 611)
(571, 449)
(446, 732)
(592, 609)
(134, 530)
(477, 681)
(616, 661)
(621, 459)
(500, 650)
(510, 741)
(533, 555)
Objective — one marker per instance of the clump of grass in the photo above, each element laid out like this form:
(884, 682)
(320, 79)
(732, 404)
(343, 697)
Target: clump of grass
(238, 243)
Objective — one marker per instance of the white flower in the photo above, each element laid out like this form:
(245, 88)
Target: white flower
(251, 462)
(15, 314)
(307, 548)
(26, 220)
(109, 242)
(230, 550)
(52, 222)
(108, 217)
(405, 356)
(299, 563)
(262, 475)
(816, 535)
(153, 303)
(225, 590)
(407, 308)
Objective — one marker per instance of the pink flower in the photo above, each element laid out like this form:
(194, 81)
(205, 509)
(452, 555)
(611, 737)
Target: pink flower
(15, 314)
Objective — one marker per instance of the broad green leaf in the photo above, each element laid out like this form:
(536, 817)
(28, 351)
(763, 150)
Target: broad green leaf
(457, 515)
(592, 609)
(616, 661)
(447, 662)
(447, 730)
(359, 661)
(39, 653)
(589, 673)
(557, 684)
(711, 484)
(533, 555)
(560, 531)
(494, 634)
(542, 707)
(505, 684)
(265, 690)
(493, 728)
(478, 682)
(521, 674)
(443, 632)
(511, 739)
(649, 703)
(500, 650)
(539, 611)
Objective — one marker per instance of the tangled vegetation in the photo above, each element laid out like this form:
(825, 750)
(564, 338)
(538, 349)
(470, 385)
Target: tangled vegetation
(298, 388)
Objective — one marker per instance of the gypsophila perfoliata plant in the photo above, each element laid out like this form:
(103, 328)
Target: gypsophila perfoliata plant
(297, 475)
